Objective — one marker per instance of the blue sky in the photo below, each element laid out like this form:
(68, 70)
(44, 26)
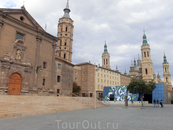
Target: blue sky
(8, 4)
(119, 22)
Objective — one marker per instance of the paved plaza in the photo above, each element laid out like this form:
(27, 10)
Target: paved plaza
(111, 117)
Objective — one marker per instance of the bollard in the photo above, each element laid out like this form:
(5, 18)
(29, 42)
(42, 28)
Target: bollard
(126, 102)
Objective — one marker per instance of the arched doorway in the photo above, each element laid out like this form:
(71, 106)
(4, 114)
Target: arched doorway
(14, 86)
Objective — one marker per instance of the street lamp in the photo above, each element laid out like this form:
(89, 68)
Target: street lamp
(38, 68)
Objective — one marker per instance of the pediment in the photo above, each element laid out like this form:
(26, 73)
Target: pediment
(21, 15)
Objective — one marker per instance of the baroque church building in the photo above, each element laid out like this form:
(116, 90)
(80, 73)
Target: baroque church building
(144, 68)
(32, 61)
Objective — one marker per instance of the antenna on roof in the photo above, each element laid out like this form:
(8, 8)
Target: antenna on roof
(45, 26)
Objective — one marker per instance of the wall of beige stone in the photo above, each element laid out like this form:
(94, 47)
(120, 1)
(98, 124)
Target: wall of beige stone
(7, 39)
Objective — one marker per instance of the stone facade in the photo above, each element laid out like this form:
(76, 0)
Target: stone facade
(125, 80)
(84, 77)
(144, 70)
(27, 51)
(64, 77)
(93, 78)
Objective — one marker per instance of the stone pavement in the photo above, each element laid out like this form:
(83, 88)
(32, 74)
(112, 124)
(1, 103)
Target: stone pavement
(111, 117)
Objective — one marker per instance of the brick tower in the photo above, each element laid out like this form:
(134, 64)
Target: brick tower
(65, 34)
(166, 74)
(147, 65)
(106, 58)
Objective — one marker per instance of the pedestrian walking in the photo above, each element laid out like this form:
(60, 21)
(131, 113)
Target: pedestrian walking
(161, 103)
(158, 102)
(154, 103)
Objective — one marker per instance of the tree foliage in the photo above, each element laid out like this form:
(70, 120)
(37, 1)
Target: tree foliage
(139, 86)
(76, 89)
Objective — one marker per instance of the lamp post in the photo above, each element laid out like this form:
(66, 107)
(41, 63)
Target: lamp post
(95, 85)
(38, 68)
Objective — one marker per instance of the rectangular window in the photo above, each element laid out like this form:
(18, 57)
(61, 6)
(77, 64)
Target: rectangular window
(44, 65)
(43, 83)
(91, 94)
(57, 90)
(58, 78)
(19, 36)
(59, 66)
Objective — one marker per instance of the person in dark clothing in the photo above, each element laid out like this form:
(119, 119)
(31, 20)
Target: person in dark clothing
(154, 103)
(161, 103)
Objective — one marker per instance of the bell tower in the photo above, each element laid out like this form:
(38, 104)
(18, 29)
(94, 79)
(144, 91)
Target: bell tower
(65, 34)
(166, 74)
(106, 58)
(146, 63)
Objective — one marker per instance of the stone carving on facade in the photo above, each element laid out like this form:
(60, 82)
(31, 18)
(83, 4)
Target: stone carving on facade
(17, 62)
(28, 62)
(28, 70)
(7, 57)
(18, 54)
(5, 66)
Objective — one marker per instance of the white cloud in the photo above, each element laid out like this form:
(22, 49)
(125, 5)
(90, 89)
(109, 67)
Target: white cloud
(119, 22)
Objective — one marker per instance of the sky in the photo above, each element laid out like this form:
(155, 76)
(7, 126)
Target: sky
(118, 22)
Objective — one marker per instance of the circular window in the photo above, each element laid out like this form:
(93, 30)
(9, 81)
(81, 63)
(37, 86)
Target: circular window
(65, 34)
(21, 18)
(61, 34)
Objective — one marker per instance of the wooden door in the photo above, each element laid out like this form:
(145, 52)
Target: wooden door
(14, 86)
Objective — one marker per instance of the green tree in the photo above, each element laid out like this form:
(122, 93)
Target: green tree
(139, 86)
(76, 89)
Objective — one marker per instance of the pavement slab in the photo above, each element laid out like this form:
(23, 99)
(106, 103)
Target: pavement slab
(104, 118)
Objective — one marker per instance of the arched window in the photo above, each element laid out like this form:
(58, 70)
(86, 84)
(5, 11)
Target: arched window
(64, 56)
(147, 53)
(146, 71)
(167, 79)
(144, 54)
(165, 69)
(61, 29)
(106, 61)
(65, 44)
(66, 29)
(60, 42)
(59, 54)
